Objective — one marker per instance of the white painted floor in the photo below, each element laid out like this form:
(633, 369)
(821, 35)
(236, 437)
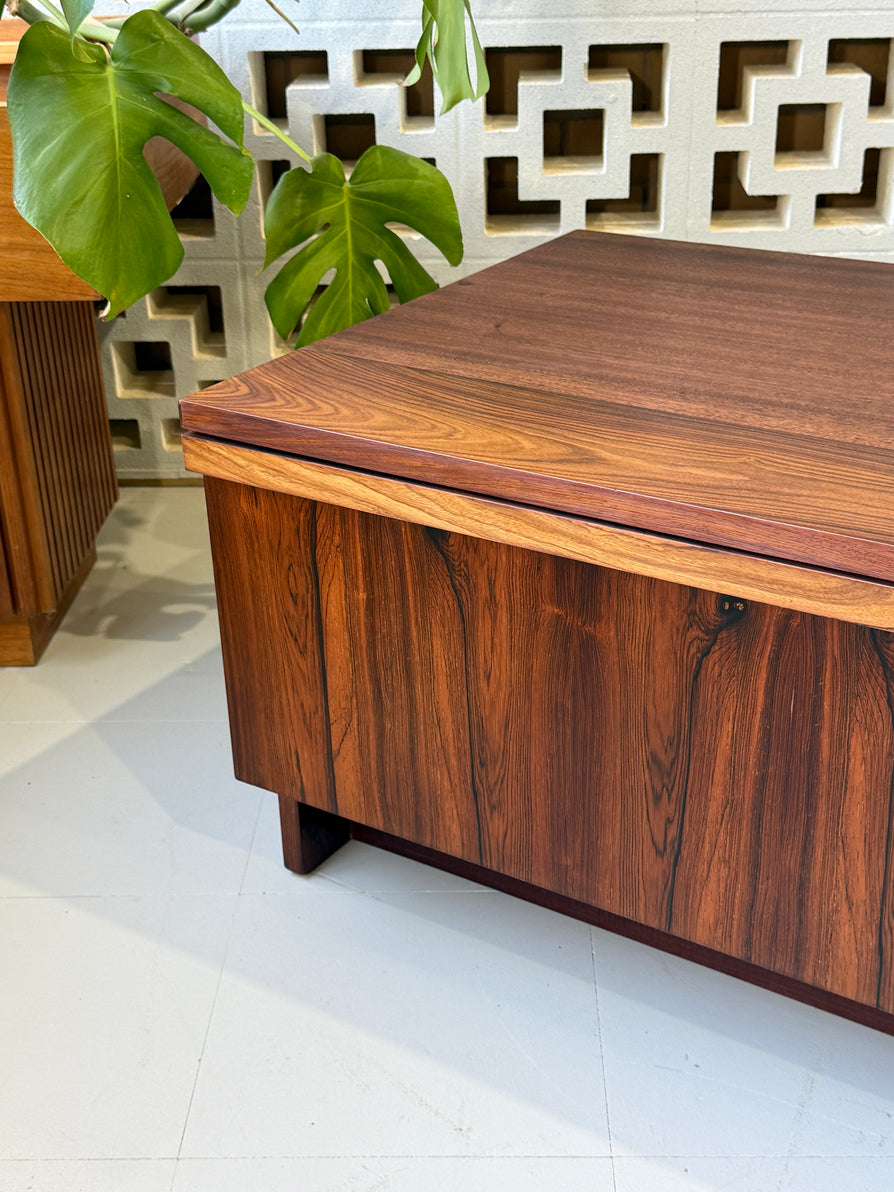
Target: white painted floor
(180, 1014)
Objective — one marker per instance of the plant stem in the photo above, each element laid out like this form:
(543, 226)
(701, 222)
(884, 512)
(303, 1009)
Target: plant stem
(271, 127)
(98, 31)
(56, 13)
(180, 14)
(32, 14)
(279, 12)
(92, 29)
(207, 12)
(162, 7)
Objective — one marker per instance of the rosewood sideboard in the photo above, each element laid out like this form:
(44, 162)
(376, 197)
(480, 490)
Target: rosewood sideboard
(577, 577)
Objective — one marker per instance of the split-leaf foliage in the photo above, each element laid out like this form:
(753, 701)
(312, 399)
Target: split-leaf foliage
(84, 98)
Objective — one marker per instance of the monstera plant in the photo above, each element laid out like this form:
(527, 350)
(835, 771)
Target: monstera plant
(85, 95)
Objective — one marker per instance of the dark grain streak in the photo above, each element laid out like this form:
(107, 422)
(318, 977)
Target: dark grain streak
(437, 538)
(687, 739)
(309, 550)
(883, 939)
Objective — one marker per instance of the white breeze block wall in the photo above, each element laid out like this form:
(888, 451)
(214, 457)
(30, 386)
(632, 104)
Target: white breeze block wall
(709, 122)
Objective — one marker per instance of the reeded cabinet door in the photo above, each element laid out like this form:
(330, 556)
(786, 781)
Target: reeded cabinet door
(57, 480)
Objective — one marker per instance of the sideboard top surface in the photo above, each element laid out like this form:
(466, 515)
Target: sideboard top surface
(721, 395)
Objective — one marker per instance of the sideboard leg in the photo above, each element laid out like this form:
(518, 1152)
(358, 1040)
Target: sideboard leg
(309, 836)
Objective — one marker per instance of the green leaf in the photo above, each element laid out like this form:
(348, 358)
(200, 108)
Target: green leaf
(443, 42)
(76, 12)
(344, 225)
(79, 127)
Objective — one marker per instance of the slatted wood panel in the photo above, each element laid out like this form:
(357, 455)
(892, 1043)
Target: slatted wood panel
(62, 389)
(699, 764)
(55, 456)
(27, 560)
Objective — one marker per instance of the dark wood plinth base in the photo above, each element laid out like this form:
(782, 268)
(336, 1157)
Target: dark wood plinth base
(309, 835)
(305, 847)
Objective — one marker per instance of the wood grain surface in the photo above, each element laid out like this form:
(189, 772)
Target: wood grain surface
(712, 768)
(721, 395)
(297, 710)
(790, 585)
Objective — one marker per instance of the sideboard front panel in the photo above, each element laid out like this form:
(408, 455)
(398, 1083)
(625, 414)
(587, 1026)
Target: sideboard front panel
(714, 768)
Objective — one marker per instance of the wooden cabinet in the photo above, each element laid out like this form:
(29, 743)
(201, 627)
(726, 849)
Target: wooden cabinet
(578, 577)
(57, 481)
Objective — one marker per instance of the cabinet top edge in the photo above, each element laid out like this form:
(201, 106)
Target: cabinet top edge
(746, 395)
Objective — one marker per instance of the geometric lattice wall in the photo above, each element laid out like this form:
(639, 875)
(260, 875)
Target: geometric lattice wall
(769, 129)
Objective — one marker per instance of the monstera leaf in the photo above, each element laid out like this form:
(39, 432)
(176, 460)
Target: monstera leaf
(76, 12)
(345, 226)
(79, 122)
(443, 42)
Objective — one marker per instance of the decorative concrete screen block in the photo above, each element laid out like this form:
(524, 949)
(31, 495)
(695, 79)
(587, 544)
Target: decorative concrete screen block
(794, 149)
(731, 122)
